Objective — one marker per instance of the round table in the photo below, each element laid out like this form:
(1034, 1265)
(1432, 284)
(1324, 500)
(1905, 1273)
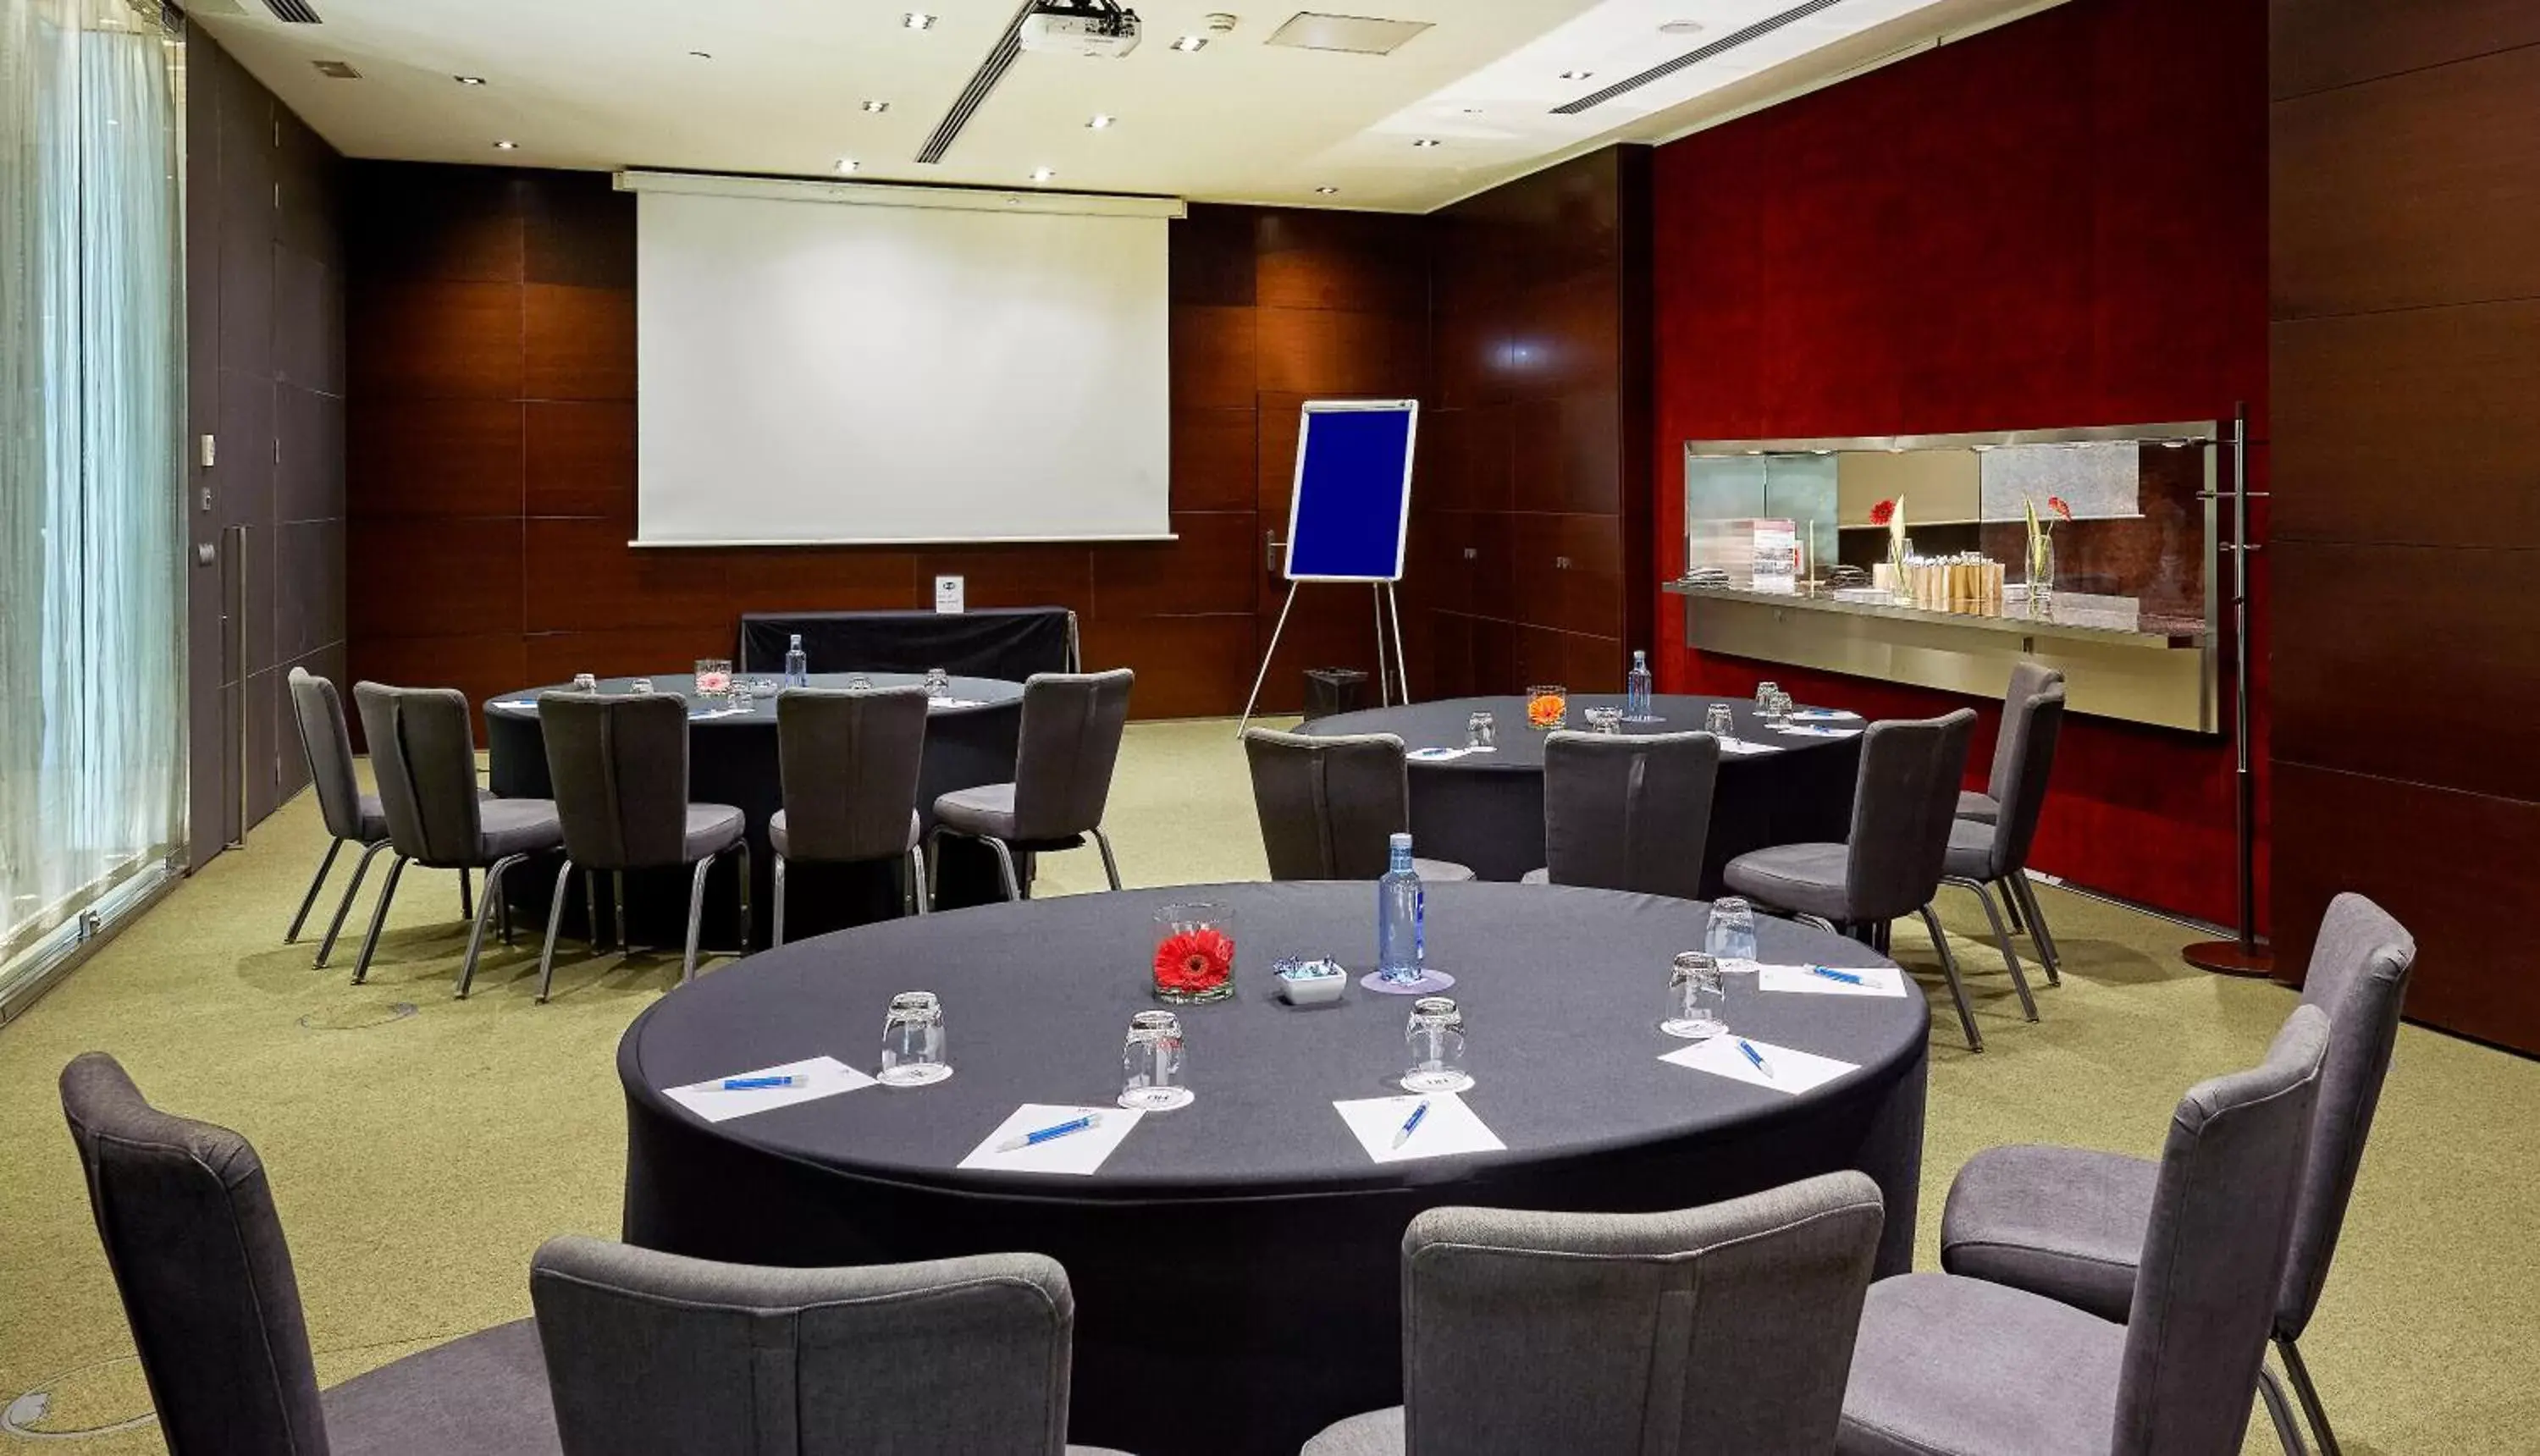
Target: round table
(732, 760)
(1236, 1263)
(1485, 810)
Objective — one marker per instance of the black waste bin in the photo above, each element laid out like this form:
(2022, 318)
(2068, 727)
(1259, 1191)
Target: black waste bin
(1330, 690)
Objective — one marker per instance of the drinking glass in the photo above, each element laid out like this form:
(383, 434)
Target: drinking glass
(858, 684)
(1436, 1037)
(1720, 722)
(1604, 720)
(1153, 1063)
(1481, 730)
(912, 1041)
(1697, 1002)
(584, 682)
(737, 697)
(1547, 706)
(640, 686)
(1729, 937)
(714, 676)
(1764, 692)
(938, 683)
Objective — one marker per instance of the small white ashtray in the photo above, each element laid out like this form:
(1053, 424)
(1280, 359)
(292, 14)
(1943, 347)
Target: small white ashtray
(1311, 982)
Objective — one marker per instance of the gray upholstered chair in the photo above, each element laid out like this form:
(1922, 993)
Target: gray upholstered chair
(654, 1354)
(1330, 807)
(2071, 1225)
(1627, 812)
(198, 1254)
(1954, 1366)
(352, 816)
(423, 753)
(1984, 855)
(1070, 741)
(849, 761)
(2027, 680)
(1890, 864)
(619, 764)
(1727, 1328)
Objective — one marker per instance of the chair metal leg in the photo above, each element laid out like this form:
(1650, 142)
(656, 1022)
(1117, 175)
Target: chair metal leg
(466, 908)
(590, 905)
(696, 914)
(555, 922)
(334, 927)
(625, 935)
(378, 918)
(1110, 867)
(1957, 991)
(746, 919)
(1005, 865)
(325, 866)
(934, 858)
(485, 904)
(2279, 1410)
(2037, 930)
(2308, 1393)
(2010, 911)
(920, 887)
(776, 914)
(2002, 939)
(503, 910)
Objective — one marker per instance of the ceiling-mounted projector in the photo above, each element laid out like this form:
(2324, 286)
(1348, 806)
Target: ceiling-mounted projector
(1080, 28)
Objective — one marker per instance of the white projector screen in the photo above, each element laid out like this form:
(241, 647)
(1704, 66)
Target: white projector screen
(812, 371)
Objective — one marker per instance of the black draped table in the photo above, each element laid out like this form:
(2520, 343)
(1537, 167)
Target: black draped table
(1236, 1262)
(1009, 642)
(1485, 810)
(731, 759)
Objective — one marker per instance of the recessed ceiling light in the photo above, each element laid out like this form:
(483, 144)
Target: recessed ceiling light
(1042, 173)
(1327, 192)
(1101, 120)
(506, 146)
(1681, 27)
(1426, 141)
(846, 164)
(918, 20)
(1190, 42)
(876, 107)
(469, 80)
(1576, 75)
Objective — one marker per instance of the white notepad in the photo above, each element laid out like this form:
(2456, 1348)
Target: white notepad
(1802, 981)
(1447, 1128)
(1741, 746)
(1803, 731)
(695, 716)
(516, 702)
(1794, 1072)
(1438, 755)
(1080, 1153)
(829, 1077)
(938, 704)
(1825, 715)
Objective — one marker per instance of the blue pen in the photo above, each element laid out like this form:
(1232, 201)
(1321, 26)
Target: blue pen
(761, 1083)
(1754, 1056)
(1056, 1130)
(1411, 1124)
(1831, 974)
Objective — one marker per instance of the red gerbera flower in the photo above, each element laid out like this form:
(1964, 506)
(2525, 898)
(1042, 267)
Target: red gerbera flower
(2056, 505)
(1195, 960)
(1883, 512)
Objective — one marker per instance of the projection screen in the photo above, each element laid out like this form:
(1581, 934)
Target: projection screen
(818, 365)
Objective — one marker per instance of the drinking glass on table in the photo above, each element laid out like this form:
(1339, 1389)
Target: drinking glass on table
(584, 682)
(938, 683)
(1697, 1000)
(737, 698)
(1154, 1064)
(858, 684)
(1436, 1037)
(1721, 721)
(912, 1041)
(1481, 730)
(640, 686)
(1729, 937)
(1764, 692)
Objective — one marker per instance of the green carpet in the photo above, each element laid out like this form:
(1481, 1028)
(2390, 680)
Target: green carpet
(419, 1157)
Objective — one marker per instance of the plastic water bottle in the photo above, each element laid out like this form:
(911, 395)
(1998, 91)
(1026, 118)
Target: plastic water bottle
(1636, 689)
(797, 665)
(1401, 943)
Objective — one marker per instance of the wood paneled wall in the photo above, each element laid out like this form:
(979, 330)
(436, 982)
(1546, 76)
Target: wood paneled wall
(2406, 350)
(492, 450)
(2060, 222)
(265, 379)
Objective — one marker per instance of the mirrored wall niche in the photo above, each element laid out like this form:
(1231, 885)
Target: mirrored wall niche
(2141, 530)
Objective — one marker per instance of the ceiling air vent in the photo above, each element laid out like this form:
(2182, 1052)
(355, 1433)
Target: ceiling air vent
(1693, 58)
(211, 7)
(338, 70)
(1357, 35)
(296, 11)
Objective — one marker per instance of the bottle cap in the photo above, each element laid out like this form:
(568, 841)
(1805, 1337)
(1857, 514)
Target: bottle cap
(1402, 843)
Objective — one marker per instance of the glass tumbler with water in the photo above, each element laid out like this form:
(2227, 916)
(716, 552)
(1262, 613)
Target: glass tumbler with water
(1729, 937)
(1481, 730)
(1721, 723)
(938, 683)
(912, 1041)
(1154, 1064)
(1764, 692)
(1436, 1037)
(1697, 1001)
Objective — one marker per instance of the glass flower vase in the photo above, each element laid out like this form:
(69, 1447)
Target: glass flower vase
(1194, 958)
(2041, 568)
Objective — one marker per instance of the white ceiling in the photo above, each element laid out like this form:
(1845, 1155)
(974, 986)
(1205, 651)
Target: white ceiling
(610, 84)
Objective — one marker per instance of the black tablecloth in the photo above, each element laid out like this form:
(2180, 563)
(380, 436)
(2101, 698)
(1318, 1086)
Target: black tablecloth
(1236, 1263)
(1485, 810)
(1010, 643)
(732, 760)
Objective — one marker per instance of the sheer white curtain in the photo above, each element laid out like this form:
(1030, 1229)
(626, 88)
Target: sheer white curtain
(92, 666)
